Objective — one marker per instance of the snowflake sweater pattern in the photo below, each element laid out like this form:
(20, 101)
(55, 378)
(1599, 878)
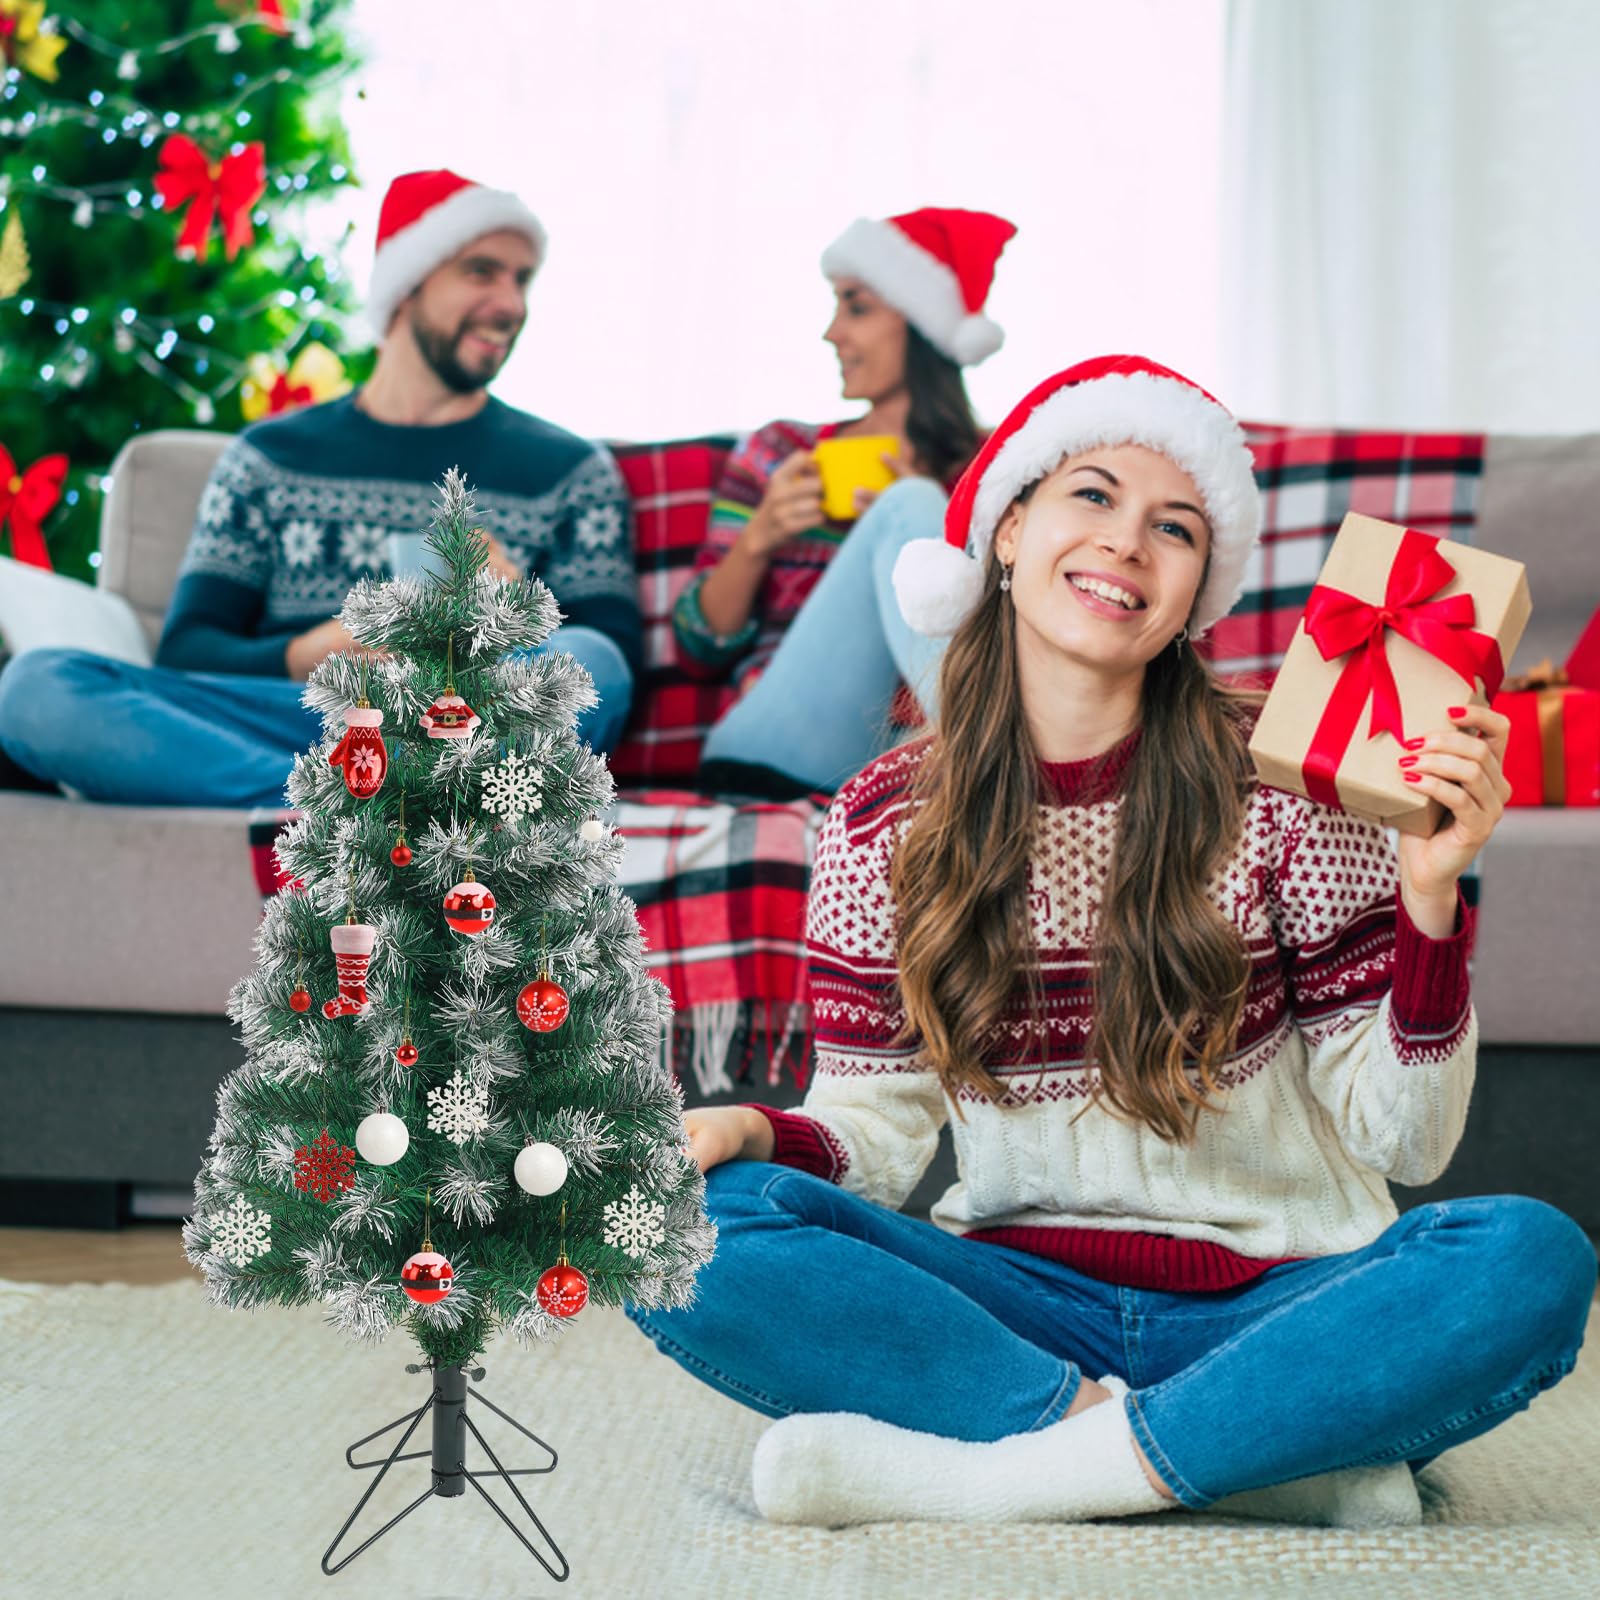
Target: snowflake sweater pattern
(1354, 1061)
(299, 508)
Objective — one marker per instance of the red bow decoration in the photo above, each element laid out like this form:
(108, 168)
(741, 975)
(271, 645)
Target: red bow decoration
(286, 396)
(229, 187)
(1341, 624)
(27, 498)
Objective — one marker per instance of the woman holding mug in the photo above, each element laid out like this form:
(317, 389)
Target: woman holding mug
(794, 599)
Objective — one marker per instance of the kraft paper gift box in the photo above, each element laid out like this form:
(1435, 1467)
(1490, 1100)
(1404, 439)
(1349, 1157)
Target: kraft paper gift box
(1553, 753)
(1399, 627)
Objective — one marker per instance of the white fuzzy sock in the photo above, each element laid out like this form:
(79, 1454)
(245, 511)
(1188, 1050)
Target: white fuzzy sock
(1357, 1497)
(838, 1468)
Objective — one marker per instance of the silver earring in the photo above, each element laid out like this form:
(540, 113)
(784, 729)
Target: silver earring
(1005, 580)
(1182, 634)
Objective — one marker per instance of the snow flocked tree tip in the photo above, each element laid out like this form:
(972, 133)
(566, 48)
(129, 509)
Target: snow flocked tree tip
(418, 1018)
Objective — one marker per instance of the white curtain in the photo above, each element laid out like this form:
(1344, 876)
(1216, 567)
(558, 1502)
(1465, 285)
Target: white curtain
(691, 160)
(1413, 212)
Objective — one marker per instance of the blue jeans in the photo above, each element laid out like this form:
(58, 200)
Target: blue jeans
(820, 709)
(155, 736)
(1450, 1321)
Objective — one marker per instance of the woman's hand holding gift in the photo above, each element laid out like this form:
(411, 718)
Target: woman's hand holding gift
(1459, 766)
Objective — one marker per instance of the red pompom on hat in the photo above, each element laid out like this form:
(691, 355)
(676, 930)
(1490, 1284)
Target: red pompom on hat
(1111, 400)
(933, 266)
(426, 218)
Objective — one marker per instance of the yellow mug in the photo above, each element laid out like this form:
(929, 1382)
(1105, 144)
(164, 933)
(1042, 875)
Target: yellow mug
(850, 464)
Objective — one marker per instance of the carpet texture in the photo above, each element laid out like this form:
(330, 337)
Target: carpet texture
(158, 1448)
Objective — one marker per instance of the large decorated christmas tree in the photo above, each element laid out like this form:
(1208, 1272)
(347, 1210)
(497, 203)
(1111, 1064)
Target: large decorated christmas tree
(155, 163)
(455, 1114)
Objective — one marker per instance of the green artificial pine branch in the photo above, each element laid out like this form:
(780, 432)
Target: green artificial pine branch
(597, 1088)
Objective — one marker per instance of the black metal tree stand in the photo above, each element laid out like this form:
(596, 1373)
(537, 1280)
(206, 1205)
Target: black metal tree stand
(451, 1424)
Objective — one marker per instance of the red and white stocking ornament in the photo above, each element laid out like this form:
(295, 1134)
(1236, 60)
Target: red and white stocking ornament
(469, 906)
(361, 752)
(352, 943)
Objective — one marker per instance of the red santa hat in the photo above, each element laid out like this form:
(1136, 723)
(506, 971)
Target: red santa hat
(933, 266)
(1111, 400)
(426, 218)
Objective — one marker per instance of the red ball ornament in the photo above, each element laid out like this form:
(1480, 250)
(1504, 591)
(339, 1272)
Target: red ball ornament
(300, 1000)
(563, 1290)
(401, 854)
(427, 1277)
(542, 1006)
(406, 1054)
(469, 906)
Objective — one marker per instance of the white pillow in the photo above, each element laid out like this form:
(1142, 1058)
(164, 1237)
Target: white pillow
(39, 609)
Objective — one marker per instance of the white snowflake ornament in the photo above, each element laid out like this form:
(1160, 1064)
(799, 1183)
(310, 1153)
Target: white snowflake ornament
(460, 1109)
(634, 1224)
(512, 788)
(241, 1233)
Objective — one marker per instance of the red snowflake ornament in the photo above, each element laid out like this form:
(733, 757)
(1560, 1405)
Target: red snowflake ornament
(324, 1167)
(542, 1006)
(563, 1290)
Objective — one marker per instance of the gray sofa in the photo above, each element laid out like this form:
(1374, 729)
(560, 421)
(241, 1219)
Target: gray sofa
(112, 985)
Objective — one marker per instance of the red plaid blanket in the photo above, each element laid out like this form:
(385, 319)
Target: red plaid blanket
(720, 889)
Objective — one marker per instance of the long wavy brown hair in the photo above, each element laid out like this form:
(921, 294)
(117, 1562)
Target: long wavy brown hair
(1170, 971)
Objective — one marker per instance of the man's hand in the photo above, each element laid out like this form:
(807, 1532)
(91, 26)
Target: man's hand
(308, 650)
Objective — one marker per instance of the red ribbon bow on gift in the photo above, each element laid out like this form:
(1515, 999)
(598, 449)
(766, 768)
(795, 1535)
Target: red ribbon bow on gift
(1341, 624)
(26, 499)
(229, 187)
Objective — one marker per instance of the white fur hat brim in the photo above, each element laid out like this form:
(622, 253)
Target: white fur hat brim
(1163, 413)
(922, 289)
(426, 244)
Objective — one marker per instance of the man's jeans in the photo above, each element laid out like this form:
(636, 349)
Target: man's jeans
(155, 736)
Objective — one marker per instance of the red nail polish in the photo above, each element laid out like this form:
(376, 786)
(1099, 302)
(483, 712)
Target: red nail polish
(1456, 711)
(1408, 761)
(1415, 744)
(1412, 777)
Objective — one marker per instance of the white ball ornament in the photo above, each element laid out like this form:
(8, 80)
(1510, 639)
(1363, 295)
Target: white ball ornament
(593, 830)
(540, 1169)
(382, 1139)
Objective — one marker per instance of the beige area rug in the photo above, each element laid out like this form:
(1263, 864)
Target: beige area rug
(157, 1448)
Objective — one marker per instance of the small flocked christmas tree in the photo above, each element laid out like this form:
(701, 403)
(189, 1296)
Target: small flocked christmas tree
(455, 1114)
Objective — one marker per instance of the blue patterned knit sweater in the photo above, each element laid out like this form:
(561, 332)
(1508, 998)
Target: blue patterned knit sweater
(299, 507)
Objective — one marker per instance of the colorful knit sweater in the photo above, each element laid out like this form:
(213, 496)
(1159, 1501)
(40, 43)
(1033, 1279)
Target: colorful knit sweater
(299, 507)
(1354, 1061)
(795, 567)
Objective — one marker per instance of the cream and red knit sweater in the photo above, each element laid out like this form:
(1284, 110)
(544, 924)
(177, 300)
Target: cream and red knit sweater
(1354, 1061)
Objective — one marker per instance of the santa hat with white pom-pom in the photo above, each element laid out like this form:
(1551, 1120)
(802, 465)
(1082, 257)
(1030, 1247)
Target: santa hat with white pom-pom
(1111, 400)
(933, 266)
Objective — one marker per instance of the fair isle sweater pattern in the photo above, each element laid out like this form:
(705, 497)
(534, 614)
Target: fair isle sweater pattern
(304, 539)
(1353, 1064)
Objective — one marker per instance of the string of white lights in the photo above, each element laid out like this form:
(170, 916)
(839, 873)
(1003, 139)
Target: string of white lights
(225, 34)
